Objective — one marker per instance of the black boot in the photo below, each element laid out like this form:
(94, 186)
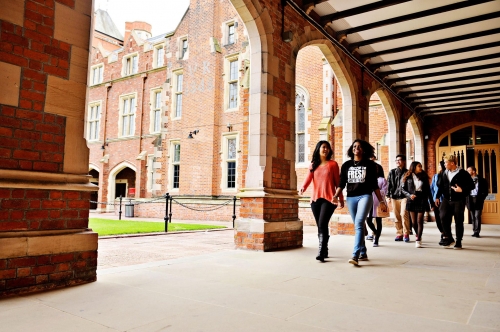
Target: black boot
(324, 246)
(320, 256)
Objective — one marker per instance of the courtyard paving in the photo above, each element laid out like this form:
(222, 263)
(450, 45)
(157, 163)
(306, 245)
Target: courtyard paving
(199, 282)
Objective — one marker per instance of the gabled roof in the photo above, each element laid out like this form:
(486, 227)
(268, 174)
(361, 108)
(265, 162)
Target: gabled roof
(104, 24)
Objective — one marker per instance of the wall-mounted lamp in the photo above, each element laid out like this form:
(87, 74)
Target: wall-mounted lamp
(104, 146)
(196, 131)
(287, 36)
(229, 127)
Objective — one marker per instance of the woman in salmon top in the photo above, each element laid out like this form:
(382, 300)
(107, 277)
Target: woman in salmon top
(325, 176)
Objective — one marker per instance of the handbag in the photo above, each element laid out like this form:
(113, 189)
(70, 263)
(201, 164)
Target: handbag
(381, 213)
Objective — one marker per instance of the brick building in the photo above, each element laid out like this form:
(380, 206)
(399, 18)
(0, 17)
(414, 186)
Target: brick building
(167, 113)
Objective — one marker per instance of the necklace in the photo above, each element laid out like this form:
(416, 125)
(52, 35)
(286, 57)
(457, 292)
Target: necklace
(356, 162)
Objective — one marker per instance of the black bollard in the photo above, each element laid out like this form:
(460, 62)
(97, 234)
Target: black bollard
(167, 196)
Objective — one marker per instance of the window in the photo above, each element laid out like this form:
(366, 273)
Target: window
(151, 172)
(233, 83)
(93, 121)
(231, 36)
(184, 48)
(176, 158)
(130, 65)
(128, 115)
(231, 163)
(179, 80)
(156, 111)
(159, 56)
(301, 104)
(97, 74)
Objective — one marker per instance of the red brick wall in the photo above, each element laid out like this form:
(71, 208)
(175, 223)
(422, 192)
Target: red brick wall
(31, 209)
(37, 273)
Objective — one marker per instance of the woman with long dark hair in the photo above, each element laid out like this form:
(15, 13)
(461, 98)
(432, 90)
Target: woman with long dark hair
(415, 186)
(324, 174)
(359, 175)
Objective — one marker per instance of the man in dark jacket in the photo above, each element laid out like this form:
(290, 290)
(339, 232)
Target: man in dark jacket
(475, 200)
(455, 185)
(398, 200)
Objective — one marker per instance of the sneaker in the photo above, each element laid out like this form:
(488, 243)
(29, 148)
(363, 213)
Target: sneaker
(353, 261)
(363, 257)
(458, 245)
(407, 238)
(447, 243)
(478, 236)
(418, 244)
(398, 238)
(375, 244)
(369, 237)
(474, 235)
(441, 242)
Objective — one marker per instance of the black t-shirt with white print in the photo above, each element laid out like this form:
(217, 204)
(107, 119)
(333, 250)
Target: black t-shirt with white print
(359, 177)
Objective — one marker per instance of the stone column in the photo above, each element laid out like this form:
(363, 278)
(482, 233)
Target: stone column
(45, 241)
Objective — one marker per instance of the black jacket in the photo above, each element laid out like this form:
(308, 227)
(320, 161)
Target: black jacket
(462, 179)
(394, 183)
(408, 189)
(482, 192)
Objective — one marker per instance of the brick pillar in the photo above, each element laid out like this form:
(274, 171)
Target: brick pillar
(44, 190)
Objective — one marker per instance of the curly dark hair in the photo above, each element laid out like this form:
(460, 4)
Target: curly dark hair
(368, 149)
(316, 159)
(422, 176)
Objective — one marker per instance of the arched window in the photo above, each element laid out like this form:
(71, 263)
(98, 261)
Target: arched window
(301, 105)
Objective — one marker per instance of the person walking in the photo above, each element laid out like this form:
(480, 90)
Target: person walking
(398, 200)
(359, 175)
(324, 174)
(382, 185)
(416, 188)
(475, 200)
(434, 189)
(455, 186)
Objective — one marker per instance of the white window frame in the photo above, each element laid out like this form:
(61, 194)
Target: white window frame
(130, 68)
(301, 91)
(156, 110)
(173, 162)
(225, 160)
(151, 171)
(225, 32)
(100, 68)
(157, 56)
(176, 112)
(234, 58)
(183, 54)
(131, 113)
(93, 122)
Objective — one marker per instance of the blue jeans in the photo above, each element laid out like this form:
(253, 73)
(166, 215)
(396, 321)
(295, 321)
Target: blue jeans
(359, 207)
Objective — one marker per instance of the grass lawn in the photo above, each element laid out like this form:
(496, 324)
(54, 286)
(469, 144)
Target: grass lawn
(114, 227)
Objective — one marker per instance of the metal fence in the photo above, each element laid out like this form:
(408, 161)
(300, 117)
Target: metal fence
(169, 200)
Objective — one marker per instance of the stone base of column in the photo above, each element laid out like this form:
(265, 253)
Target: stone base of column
(268, 236)
(42, 260)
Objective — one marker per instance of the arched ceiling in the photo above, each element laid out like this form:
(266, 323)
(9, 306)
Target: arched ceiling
(437, 56)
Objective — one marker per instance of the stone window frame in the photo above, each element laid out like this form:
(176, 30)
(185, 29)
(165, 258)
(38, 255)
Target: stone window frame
(181, 53)
(300, 90)
(92, 74)
(227, 81)
(225, 32)
(173, 163)
(175, 93)
(156, 50)
(156, 108)
(122, 99)
(225, 160)
(126, 67)
(94, 121)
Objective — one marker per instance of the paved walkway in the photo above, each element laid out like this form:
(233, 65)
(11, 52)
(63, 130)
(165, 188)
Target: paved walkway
(197, 282)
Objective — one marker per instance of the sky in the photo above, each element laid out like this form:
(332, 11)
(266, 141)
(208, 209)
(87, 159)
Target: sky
(163, 15)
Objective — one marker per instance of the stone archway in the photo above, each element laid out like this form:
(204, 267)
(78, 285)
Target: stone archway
(112, 181)
(416, 126)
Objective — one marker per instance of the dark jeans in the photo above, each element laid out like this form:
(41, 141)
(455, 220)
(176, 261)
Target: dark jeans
(439, 224)
(322, 211)
(452, 209)
(376, 230)
(475, 215)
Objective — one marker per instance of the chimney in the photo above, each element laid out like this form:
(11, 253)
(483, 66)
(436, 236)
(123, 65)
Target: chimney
(136, 25)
